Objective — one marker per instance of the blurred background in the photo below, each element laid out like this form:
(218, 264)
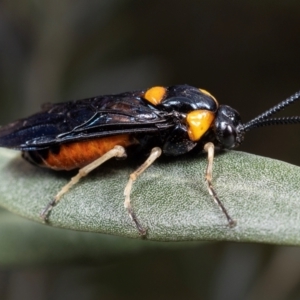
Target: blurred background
(246, 53)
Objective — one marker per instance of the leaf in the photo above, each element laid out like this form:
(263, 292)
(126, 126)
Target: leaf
(28, 243)
(170, 199)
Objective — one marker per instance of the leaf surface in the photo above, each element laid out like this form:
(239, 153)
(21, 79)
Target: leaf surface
(170, 199)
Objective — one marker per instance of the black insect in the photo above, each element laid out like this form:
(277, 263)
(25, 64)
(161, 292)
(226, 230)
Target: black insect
(174, 120)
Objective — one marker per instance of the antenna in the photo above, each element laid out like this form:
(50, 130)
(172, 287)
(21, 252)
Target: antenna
(262, 120)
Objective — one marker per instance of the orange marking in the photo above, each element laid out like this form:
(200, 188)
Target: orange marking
(198, 123)
(155, 94)
(79, 154)
(205, 92)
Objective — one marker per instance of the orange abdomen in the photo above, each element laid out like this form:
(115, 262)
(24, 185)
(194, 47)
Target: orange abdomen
(79, 154)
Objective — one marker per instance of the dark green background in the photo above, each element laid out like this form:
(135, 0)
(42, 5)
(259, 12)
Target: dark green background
(246, 53)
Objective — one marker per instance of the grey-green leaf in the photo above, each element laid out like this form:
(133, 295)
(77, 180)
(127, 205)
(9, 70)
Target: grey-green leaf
(170, 199)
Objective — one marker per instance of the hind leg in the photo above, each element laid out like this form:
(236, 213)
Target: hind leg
(117, 151)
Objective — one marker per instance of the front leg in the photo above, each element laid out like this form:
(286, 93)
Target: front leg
(210, 149)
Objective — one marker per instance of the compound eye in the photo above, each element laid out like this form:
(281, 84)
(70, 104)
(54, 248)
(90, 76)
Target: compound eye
(228, 127)
(229, 137)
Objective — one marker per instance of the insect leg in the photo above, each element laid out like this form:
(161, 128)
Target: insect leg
(117, 151)
(210, 149)
(155, 153)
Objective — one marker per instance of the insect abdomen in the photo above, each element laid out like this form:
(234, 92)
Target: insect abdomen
(77, 154)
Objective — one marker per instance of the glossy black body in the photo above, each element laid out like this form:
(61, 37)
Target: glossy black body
(162, 125)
